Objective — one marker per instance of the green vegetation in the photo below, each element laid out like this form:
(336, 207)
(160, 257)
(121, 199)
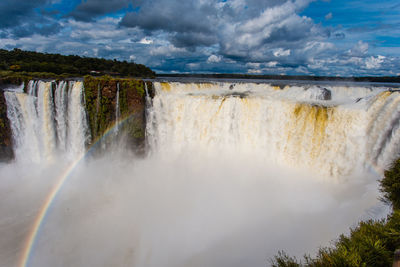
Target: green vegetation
(44, 65)
(390, 186)
(371, 243)
(101, 97)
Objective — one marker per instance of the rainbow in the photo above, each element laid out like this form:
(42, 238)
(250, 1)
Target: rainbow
(44, 210)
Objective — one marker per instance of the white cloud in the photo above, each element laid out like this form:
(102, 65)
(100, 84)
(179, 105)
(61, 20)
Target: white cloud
(272, 64)
(281, 52)
(374, 62)
(165, 50)
(213, 59)
(360, 49)
(253, 65)
(193, 65)
(146, 41)
(254, 71)
(226, 36)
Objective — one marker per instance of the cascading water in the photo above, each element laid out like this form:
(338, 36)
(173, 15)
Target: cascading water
(334, 130)
(61, 110)
(78, 134)
(117, 111)
(47, 129)
(232, 178)
(43, 124)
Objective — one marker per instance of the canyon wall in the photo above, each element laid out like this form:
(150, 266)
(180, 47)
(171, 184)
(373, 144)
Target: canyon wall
(114, 108)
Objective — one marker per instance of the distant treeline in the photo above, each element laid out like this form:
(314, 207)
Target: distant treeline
(386, 79)
(18, 60)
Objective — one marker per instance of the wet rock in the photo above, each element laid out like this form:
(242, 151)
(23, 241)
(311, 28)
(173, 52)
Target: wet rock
(319, 93)
(324, 94)
(6, 151)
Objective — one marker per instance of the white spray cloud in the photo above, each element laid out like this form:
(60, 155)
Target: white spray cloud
(119, 211)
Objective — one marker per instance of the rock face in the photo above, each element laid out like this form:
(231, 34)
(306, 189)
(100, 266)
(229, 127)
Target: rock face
(102, 95)
(324, 94)
(6, 152)
(319, 93)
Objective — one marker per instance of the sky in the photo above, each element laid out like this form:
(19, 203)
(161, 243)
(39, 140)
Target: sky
(294, 37)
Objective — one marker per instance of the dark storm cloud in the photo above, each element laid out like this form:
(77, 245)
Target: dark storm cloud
(190, 40)
(239, 28)
(25, 18)
(88, 10)
(25, 30)
(13, 12)
(173, 16)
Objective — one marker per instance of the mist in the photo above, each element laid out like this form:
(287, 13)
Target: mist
(229, 178)
(186, 210)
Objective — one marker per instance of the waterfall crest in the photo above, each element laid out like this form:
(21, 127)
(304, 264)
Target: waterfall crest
(334, 130)
(47, 121)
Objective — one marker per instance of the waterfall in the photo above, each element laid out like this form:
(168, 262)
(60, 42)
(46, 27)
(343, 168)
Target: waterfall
(235, 170)
(98, 101)
(61, 110)
(77, 125)
(46, 119)
(150, 126)
(44, 124)
(32, 87)
(353, 129)
(117, 111)
(22, 113)
(334, 130)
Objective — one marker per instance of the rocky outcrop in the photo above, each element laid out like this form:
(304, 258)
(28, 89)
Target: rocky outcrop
(324, 94)
(101, 103)
(6, 152)
(318, 93)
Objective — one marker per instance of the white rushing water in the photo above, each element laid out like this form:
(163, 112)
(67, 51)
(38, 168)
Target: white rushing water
(237, 172)
(45, 123)
(117, 111)
(356, 128)
(61, 111)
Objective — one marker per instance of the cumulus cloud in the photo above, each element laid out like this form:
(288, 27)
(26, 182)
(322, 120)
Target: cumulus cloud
(238, 28)
(281, 53)
(374, 62)
(269, 37)
(145, 40)
(360, 49)
(213, 59)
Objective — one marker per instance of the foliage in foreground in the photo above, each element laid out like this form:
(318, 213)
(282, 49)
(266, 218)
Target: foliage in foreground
(371, 243)
(390, 186)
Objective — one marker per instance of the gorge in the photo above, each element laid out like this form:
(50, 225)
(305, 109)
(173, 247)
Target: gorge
(178, 172)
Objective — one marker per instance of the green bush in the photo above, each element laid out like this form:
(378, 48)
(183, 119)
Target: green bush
(390, 185)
